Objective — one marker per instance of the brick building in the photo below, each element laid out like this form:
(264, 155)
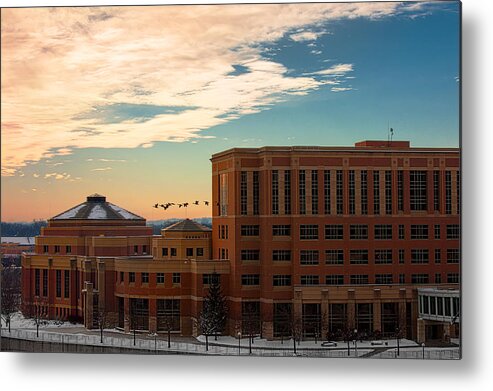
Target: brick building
(339, 238)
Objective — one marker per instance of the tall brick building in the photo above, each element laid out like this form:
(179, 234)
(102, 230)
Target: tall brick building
(338, 237)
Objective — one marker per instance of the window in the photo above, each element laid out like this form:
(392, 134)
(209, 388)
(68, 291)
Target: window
(144, 278)
(275, 192)
(66, 285)
(45, 249)
(256, 193)
(57, 249)
(351, 193)
(211, 278)
(453, 255)
(164, 252)
(249, 230)
(438, 255)
(281, 230)
(402, 278)
(401, 256)
(173, 252)
(176, 278)
(436, 190)
(453, 231)
(453, 278)
(250, 255)
(243, 193)
(136, 249)
(376, 192)
(281, 255)
(302, 192)
(314, 192)
(68, 249)
(327, 192)
(383, 257)
(58, 284)
(287, 192)
(131, 277)
(402, 235)
(160, 278)
(144, 249)
(448, 192)
(457, 183)
(383, 231)
(281, 280)
(437, 231)
(358, 279)
(334, 279)
(438, 278)
(419, 256)
(334, 257)
(36, 281)
(309, 280)
(388, 192)
(400, 190)
(419, 231)
(223, 194)
(308, 231)
(334, 232)
(364, 192)
(358, 231)
(309, 257)
(418, 190)
(383, 278)
(200, 252)
(250, 279)
(358, 257)
(168, 314)
(339, 193)
(45, 282)
(419, 278)
(189, 252)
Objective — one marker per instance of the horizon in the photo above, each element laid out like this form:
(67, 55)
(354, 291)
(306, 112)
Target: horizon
(131, 101)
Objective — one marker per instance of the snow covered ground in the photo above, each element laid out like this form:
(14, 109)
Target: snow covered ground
(68, 333)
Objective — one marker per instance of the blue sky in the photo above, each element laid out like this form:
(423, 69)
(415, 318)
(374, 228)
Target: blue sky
(116, 96)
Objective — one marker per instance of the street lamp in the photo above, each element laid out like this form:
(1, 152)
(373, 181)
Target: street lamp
(239, 343)
(397, 336)
(355, 342)
(423, 346)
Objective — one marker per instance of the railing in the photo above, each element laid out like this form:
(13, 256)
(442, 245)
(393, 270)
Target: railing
(151, 345)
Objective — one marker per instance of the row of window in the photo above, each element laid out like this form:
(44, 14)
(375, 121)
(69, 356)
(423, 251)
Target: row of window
(43, 273)
(144, 277)
(417, 196)
(354, 279)
(207, 279)
(68, 249)
(357, 256)
(189, 251)
(358, 231)
(441, 306)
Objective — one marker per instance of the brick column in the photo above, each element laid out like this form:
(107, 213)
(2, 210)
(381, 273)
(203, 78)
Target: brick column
(421, 335)
(351, 310)
(102, 285)
(126, 321)
(152, 315)
(73, 287)
(88, 308)
(377, 315)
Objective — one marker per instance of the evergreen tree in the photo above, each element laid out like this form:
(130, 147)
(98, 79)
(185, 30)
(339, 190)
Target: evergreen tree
(212, 320)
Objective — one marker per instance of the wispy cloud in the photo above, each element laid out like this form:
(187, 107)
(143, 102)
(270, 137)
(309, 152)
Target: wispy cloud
(57, 176)
(341, 89)
(102, 169)
(96, 74)
(335, 70)
(306, 36)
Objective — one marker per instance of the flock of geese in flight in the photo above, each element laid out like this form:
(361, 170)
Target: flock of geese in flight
(183, 204)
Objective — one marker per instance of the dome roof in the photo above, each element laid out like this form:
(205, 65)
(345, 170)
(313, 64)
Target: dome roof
(187, 225)
(97, 208)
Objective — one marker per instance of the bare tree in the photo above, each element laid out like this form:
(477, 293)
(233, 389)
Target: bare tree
(10, 287)
(102, 320)
(168, 324)
(38, 313)
(131, 318)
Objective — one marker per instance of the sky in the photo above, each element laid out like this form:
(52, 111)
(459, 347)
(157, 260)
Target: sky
(131, 102)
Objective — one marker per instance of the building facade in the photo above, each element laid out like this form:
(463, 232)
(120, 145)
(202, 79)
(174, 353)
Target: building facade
(340, 236)
(330, 238)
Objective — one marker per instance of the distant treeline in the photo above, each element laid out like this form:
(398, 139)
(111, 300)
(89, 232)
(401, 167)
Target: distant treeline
(34, 228)
(22, 229)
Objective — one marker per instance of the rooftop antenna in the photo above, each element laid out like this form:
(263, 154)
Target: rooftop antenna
(390, 134)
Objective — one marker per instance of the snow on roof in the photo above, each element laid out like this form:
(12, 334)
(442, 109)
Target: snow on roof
(123, 212)
(22, 240)
(69, 214)
(97, 212)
